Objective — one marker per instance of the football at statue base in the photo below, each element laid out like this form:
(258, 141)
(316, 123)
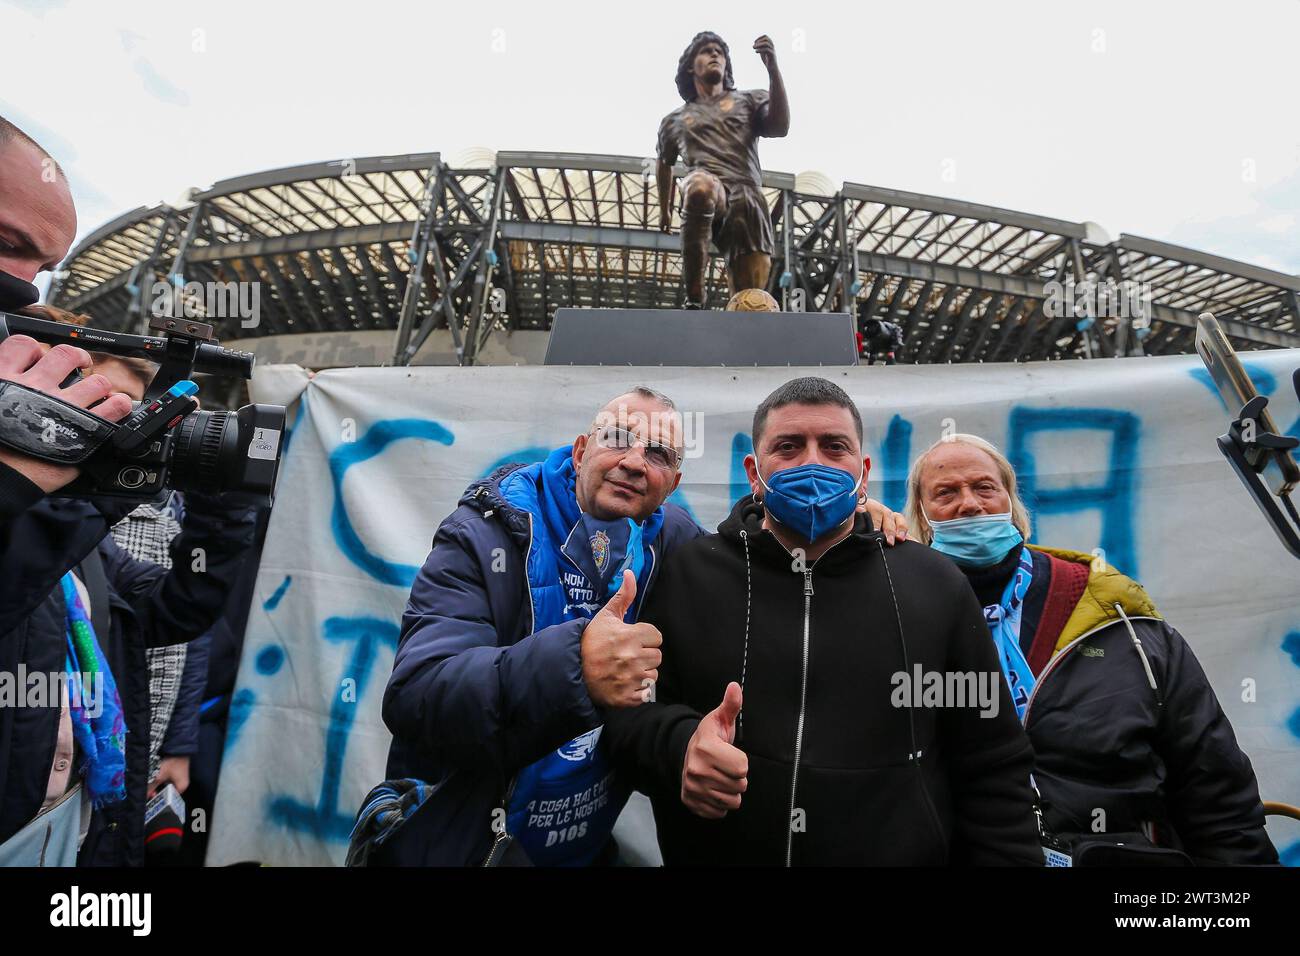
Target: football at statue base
(752, 300)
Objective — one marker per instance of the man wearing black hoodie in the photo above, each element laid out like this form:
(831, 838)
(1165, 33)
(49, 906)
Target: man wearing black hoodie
(873, 728)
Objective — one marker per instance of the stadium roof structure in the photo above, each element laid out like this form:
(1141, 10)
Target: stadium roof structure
(412, 245)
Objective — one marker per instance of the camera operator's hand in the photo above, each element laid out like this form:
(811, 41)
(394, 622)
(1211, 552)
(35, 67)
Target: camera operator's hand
(27, 362)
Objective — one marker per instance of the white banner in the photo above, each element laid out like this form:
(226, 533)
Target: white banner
(1116, 455)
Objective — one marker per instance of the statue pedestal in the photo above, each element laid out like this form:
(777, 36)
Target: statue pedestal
(683, 337)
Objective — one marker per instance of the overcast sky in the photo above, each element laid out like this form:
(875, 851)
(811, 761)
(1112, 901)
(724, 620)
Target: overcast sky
(1172, 120)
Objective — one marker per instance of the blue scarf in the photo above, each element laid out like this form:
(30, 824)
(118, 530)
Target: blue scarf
(102, 738)
(602, 550)
(578, 776)
(1004, 623)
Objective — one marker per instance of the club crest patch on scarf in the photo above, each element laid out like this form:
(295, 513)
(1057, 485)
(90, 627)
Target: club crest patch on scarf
(600, 551)
(579, 747)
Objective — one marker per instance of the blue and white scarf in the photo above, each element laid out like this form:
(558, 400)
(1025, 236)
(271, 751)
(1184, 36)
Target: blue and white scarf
(1003, 620)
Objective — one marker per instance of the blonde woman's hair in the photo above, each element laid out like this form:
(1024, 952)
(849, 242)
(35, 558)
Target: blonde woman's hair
(919, 529)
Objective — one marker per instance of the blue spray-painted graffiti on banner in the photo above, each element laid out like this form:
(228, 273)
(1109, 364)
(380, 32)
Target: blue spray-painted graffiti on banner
(271, 603)
(241, 706)
(1113, 497)
(379, 436)
(1291, 647)
(896, 459)
(1290, 856)
(1265, 384)
(524, 456)
(326, 819)
(741, 446)
(269, 659)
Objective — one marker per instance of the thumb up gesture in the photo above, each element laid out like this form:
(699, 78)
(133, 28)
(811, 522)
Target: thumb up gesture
(620, 661)
(715, 772)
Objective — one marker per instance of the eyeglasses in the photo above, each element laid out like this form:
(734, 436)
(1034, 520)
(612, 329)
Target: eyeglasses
(620, 439)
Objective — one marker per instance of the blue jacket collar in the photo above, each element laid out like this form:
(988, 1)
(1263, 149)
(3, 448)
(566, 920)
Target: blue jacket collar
(557, 497)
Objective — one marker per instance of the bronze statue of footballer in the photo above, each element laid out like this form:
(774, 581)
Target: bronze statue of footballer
(716, 132)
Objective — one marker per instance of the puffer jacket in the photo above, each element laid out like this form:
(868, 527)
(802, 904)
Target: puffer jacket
(1127, 731)
(480, 689)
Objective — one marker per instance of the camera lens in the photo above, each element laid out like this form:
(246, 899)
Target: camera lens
(228, 451)
(196, 459)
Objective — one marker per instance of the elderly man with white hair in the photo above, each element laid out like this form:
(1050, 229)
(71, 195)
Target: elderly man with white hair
(1131, 746)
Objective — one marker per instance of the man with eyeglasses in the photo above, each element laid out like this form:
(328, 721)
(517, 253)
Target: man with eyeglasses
(518, 639)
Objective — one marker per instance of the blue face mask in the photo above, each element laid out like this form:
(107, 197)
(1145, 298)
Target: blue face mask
(811, 499)
(979, 541)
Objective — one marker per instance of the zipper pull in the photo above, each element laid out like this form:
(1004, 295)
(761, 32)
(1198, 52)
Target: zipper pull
(807, 583)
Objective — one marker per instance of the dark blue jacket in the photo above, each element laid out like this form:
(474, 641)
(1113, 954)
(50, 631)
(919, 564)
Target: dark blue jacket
(138, 605)
(182, 736)
(475, 694)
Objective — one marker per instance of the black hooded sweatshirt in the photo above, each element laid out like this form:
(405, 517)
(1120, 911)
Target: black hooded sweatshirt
(838, 774)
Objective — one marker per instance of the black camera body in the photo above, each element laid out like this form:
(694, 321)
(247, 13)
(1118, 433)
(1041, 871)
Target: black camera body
(210, 451)
(167, 442)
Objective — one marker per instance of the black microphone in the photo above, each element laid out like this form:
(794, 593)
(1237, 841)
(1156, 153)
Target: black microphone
(164, 825)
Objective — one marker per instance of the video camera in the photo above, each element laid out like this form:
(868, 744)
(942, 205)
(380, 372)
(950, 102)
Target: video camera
(166, 442)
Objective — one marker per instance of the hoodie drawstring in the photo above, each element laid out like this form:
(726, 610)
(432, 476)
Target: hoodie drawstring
(915, 753)
(1146, 664)
(744, 661)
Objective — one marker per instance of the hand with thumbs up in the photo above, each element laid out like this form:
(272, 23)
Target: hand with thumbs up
(715, 772)
(619, 660)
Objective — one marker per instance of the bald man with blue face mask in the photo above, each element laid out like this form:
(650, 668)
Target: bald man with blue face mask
(1125, 726)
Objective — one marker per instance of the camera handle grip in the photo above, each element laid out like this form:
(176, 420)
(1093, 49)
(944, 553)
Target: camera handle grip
(49, 428)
